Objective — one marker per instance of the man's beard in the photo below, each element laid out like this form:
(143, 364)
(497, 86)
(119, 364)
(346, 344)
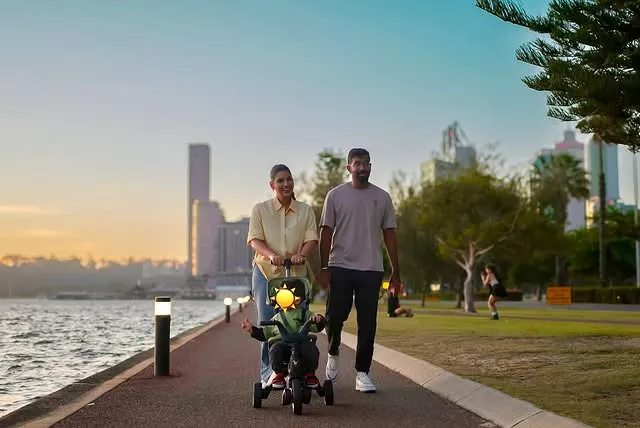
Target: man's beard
(362, 178)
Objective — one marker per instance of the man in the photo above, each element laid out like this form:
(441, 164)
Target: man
(353, 215)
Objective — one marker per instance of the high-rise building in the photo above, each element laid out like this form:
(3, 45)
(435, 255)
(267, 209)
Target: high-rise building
(199, 182)
(207, 219)
(435, 169)
(458, 158)
(576, 210)
(610, 163)
(234, 254)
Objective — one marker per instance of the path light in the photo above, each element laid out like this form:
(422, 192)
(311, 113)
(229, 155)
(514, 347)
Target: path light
(240, 300)
(162, 312)
(227, 303)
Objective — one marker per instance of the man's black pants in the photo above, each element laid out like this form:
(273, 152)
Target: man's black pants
(366, 287)
(280, 353)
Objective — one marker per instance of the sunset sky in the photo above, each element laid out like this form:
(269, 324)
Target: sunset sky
(100, 99)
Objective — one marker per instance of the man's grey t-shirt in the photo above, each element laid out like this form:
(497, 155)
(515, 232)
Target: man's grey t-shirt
(357, 217)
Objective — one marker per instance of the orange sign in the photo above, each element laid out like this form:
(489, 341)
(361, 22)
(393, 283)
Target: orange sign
(558, 295)
(431, 299)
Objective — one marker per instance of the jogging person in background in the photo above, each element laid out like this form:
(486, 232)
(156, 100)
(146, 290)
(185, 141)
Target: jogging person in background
(497, 291)
(353, 217)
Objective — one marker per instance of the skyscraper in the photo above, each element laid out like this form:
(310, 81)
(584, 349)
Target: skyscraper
(610, 161)
(207, 219)
(234, 253)
(199, 182)
(576, 210)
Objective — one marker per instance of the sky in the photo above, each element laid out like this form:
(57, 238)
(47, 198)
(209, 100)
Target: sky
(98, 101)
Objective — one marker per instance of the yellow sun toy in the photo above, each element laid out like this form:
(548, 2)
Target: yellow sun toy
(284, 298)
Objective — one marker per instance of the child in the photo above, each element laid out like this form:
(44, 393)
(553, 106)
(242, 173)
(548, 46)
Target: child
(279, 352)
(491, 280)
(393, 305)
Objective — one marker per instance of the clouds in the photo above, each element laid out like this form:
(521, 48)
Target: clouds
(47, 233)
(18, 209)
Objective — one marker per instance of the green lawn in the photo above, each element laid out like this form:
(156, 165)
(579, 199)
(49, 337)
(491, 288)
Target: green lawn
(536, 313)
(587, 371)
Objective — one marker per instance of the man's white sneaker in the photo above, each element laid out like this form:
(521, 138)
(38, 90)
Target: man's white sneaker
(331, 373)
(363, 383)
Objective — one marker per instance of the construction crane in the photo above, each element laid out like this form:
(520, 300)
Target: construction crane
(451, 137)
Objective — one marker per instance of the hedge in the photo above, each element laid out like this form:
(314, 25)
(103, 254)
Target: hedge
(612, 295)
(512, 295)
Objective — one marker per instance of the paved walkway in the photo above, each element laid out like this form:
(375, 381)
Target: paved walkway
(212, 387)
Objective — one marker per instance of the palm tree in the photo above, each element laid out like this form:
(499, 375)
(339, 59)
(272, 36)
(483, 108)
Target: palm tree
(555, 180)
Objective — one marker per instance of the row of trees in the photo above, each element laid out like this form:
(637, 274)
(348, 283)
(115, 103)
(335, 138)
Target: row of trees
(448, 229)
(589, 64)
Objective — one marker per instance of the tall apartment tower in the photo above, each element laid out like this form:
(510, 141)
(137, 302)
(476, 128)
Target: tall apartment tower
(199, 182)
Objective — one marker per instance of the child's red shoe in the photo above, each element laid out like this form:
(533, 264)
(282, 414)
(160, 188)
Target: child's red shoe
(277, 381)
(311, 380)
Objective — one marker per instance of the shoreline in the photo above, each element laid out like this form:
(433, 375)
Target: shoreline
(66, 396)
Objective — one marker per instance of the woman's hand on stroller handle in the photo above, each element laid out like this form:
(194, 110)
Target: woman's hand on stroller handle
(278, 260)
(316, 319)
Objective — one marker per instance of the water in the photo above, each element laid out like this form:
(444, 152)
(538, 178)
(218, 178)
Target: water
(46, 345)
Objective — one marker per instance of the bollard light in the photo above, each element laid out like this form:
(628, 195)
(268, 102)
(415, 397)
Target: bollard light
(227, 313)
(240, 300)
(162, 312)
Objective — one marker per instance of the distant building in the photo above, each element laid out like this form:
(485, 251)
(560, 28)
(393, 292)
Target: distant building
(576, 210)
(436, 169)
(458, 158)
(207, 219)
(235, 256)
(610, 161)
(199, 183)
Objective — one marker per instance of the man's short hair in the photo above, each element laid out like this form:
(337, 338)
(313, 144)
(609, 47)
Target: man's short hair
(357, 153)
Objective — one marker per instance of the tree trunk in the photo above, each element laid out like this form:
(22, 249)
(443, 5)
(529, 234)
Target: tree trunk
(539, 292)
(469, 292)
(603, 214)
(424, 293)
(561, 271)
(458, 293)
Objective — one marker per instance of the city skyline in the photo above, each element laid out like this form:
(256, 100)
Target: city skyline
(94, 128)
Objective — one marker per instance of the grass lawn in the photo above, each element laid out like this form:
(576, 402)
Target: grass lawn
(587, 371)
(555, 313)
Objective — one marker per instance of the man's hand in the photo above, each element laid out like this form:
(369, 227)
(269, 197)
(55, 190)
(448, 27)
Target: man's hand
(324, 277)
(246, 325)
(316, 319)
(394, 282)
(298, 259)
(276, 260)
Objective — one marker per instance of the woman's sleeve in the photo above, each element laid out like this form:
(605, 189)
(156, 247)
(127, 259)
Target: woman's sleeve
(256, 231)
(311, 229)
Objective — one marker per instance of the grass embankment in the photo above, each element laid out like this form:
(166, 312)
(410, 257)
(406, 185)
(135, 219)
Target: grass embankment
(583, 370)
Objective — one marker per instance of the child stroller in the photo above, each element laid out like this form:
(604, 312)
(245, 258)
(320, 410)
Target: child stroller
(296, 391)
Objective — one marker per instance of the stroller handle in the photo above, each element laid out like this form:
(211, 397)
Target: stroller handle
(287, 267)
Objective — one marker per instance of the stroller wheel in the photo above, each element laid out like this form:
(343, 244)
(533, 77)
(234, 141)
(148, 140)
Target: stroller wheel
(297, 396)
(287, 396)
(306, 396)
(257, 395)
(328, 392)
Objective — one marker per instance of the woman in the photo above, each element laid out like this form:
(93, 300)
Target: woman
(279, 228)
(491, 280)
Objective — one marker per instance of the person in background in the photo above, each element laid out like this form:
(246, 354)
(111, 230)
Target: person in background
(497, 291)
(279, 228)
(394, 309)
